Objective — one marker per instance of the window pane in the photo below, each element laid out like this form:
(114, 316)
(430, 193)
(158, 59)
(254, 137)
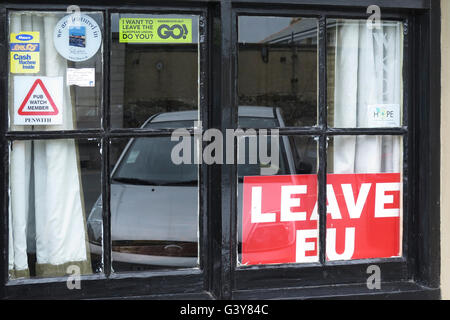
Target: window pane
(56, 70)
(365, 192)
(154, 66)
(53, 186)
(277, 209)
(154, 205)
(277, 67)
(365, 63)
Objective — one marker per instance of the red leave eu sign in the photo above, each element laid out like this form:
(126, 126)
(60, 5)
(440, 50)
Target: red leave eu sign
(280, 218)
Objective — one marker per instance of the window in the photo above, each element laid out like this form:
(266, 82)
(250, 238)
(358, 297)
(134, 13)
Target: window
(328, 173)
(90, 147)
(364, 91)
(48, 207)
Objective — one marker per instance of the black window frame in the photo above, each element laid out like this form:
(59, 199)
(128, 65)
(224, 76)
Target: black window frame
(267, 276)
(417, 275)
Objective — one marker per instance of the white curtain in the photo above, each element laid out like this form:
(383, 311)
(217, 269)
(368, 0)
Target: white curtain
(368, 71)
(45, 187)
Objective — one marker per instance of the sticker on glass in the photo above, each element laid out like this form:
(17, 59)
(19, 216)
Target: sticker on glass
(24, 50)
(38, 100)
(383, 115)
(77, 37)
(84, 77)
(155, 30)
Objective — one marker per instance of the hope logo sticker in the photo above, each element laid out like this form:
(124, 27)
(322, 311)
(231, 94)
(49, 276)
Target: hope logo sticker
(383, 115)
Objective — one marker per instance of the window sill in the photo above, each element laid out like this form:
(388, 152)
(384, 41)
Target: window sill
(388, 291)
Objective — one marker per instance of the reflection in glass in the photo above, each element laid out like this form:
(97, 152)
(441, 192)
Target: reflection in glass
(364, 74)
(278, 215)
(277, 63)
(152, 78)
(154, 207)
(268, 225)
(154, 202)
(53, 185)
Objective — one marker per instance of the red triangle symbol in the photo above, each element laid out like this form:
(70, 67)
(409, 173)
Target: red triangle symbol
(50, 101)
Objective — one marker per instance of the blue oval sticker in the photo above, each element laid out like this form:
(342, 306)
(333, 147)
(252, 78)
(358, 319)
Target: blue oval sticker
(24, 37)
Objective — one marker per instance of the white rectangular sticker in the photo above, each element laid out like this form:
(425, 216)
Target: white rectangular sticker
(38, 100)
(383, 115)
(84, 77)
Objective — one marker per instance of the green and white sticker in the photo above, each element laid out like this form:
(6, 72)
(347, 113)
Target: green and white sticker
(155, 30)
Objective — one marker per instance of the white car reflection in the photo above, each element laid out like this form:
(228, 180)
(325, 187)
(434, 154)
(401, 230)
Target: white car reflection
(154, 203)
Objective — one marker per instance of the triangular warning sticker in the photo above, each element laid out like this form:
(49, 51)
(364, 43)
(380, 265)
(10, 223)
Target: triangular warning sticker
(38, 102)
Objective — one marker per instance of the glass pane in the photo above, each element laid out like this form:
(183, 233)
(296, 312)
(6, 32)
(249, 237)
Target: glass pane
(365, 192)
(154, 66)
(55, 80)
(365, 63)
(277, 209)
(277, 67)
(154, 205)
(53, 186)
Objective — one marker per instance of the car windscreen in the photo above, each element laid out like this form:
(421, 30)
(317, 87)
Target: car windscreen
(257, 123)
(148, 161)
